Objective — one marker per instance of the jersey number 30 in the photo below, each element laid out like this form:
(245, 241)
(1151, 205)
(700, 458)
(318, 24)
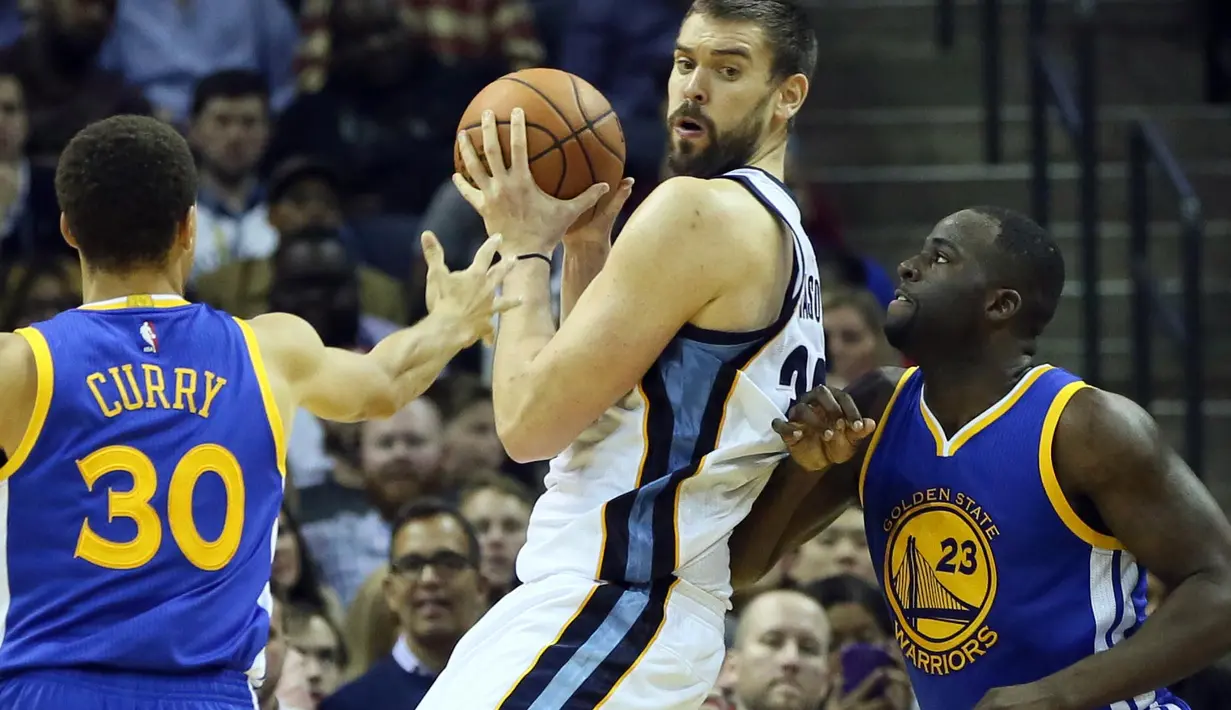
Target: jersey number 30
(795, 370)
(135, 506)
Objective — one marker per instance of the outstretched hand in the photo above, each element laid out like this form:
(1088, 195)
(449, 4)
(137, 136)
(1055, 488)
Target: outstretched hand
(823, 429)
(467, 296)
(508, 199)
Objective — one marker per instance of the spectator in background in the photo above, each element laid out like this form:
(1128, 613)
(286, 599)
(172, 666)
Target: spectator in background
(854, 335)
(621, 47)
(499, 510)
(436, 591)
(29, 210)
(310, 237)
(840, 548)
(166, 48)
(229, 132)
(41, 288)
(346, 519)
(780, 658)
(497, 33)
(282, 664)
(471, 441)
(385, 116)
(857, 615)
(294, 577)
(317, 639)
(371, 627)
(65, 89)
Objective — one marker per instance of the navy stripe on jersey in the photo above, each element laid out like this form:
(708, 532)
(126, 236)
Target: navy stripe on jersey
(610, 633)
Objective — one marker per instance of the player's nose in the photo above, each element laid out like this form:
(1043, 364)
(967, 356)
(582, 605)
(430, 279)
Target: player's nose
(907, 270)
(695, 90)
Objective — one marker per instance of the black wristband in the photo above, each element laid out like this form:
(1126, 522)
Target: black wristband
(544, 257)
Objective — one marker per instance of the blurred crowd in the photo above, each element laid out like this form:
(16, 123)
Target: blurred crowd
(324, 136)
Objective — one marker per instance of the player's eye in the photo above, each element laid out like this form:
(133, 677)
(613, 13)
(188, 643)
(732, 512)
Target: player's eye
(729, 72)
(941, 259)
(683, 65)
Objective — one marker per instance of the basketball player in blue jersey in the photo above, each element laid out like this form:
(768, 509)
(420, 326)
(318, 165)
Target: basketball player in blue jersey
(1011, 509)
(146, 439)
(679, 345)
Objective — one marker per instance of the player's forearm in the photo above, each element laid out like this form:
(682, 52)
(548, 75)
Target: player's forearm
(583, 259)
(794, 506)
(413, 357)
(523, 333)
(1190, 630)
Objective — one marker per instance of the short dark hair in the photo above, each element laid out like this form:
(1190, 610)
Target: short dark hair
(1029, 260)
(848, 589)
(786, 25)
(425, 508)
(125, 184)
(229, 84)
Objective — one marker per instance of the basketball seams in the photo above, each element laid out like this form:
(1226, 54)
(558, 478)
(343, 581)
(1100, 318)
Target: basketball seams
(587, 126)
(542, 93)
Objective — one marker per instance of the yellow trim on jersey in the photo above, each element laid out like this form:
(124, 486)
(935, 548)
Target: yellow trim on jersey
(45, 383)
(1051, 484)
(136, 300)
(645, 453)
(880, 429)
(267, 394)
(946, 447)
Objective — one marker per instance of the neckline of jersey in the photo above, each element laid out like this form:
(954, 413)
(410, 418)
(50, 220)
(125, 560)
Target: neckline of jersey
(948, 446)
(137, 300)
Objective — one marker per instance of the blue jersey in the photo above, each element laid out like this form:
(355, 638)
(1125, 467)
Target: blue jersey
(138, 515)
(991, 578)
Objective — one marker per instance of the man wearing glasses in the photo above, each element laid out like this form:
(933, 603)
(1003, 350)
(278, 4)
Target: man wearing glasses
(435, 590)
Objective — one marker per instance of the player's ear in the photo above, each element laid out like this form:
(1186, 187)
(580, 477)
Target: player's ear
(791, 94)
(66, 232)
(1004, 304)
(187, 236)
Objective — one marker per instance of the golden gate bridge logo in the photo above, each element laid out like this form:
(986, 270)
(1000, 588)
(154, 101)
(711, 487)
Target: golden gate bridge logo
(940, 575)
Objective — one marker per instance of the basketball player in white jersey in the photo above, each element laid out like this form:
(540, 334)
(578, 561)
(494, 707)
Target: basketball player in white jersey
(655, 396)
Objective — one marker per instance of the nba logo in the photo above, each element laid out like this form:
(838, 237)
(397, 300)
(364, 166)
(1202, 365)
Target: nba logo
(149, 336)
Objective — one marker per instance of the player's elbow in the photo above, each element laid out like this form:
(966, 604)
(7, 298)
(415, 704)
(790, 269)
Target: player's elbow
(526, 440)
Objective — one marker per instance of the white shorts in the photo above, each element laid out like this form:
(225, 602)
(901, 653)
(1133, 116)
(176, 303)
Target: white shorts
(566, 643)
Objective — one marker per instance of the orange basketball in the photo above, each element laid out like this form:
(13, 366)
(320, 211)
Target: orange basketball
(573, 137)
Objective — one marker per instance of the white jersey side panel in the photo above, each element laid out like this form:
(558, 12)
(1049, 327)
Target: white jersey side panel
(656, 486)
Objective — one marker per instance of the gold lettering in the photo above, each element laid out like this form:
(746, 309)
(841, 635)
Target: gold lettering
(185, 388)
(93, 381)
(931, 495)
(993, 532)
(213, 385)
(154, 385)
(946, 494)
(130, 397)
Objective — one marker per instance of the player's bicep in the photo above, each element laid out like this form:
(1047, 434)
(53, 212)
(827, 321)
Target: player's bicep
(652, 284)
(331, 383)
(1112, 452)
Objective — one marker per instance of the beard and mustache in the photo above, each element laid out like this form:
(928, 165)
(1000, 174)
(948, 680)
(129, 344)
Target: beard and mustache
(724, 150)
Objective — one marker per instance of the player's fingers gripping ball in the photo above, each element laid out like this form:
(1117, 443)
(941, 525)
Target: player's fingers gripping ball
(573, 137)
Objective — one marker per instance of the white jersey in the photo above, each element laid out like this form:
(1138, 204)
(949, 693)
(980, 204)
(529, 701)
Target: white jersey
(656, 486)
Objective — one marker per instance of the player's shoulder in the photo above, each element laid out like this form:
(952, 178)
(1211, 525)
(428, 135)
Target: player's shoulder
(287, 342)
(1101, 434)
(873, 392)
(714, 215)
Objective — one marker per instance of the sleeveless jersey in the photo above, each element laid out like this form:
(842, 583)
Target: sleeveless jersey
(656, 486)
(991, 578)
(138, 515)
